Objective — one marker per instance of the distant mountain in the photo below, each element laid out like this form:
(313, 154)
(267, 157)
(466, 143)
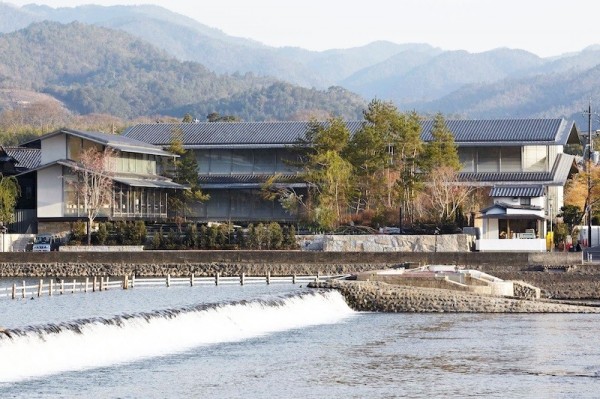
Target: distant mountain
(99, 70)
(497, 83)
(190, 40)
(413, 77)
(561, 94)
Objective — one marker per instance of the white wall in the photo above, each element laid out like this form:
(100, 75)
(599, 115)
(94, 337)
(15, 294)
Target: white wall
(50, 192)
(535, 158)
(54, 148)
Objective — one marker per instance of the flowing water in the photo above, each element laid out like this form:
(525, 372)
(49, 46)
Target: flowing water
(283, 341)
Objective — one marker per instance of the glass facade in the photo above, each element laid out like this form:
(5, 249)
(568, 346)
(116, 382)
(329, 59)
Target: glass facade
(239, 205)
(264, 161)
(492, 159)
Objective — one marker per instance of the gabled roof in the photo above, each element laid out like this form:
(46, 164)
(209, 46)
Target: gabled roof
(563, 167)
(114, 141)
(226, 134)
(517, 191)
(26, 158)
(505, 206)
(501, 132)
(505, 132)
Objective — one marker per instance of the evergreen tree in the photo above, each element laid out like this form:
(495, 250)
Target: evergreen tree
(9, 193)
(441, 151)
(327, 172)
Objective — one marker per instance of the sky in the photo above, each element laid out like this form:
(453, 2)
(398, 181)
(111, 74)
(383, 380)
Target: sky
(543, 27)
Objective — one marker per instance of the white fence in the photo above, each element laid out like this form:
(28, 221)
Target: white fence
(61, 286)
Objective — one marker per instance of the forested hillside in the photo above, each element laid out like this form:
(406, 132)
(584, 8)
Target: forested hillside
(98, 70)
(212, 71)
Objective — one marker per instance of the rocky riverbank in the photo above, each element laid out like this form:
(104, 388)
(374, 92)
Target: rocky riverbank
(557, 282)
(383, 297)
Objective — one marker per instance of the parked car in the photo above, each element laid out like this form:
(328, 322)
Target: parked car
(46, 243)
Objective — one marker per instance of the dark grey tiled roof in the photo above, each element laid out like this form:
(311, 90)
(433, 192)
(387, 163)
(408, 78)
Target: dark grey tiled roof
(226, 134)
(246, 181)
(273, 134)
(517, 191)
(27, 158)
(115, 141)
(562, 168)
(503, 131)
(506, 176)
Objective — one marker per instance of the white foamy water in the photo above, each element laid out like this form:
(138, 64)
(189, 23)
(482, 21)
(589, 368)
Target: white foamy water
(36, 351)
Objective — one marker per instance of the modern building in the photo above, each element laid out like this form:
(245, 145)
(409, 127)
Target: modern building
(236, 158)
(139, 190)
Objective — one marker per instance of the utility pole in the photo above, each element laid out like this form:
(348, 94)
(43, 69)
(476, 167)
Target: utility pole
(589, 176)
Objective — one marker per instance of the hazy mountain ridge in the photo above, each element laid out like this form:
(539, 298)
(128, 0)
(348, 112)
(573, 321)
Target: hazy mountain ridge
(93, 69)
(496, 83)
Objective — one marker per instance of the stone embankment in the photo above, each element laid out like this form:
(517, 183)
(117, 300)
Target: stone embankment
(176, 269)
(383, 297)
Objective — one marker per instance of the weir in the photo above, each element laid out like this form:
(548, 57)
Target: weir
(99, 342)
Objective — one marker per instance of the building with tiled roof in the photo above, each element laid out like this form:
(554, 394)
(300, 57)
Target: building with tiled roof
(238, 155)
(139, 191)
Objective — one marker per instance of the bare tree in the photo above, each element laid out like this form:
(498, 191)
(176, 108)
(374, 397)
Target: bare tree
(94, 183)
(444, 195)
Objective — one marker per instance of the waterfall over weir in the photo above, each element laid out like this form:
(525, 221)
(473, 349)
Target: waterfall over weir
(36, 351)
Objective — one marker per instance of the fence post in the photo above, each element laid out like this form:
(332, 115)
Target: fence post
(217, 278)
(23, 289)
(132, 280)
(14, 291)
(168, 280)
(62, 287)
(107, 282)
(294, 279)
(94, 284)
(268, 277)
(192, 280)
(40, 288)
(101, 283)
(73, 289)
(87, 281)
(242, 278)
(125, 282)
(50, 287)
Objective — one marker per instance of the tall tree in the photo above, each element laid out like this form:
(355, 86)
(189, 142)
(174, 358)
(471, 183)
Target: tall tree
(9, 194)
(94, 183)
(441, 151)
(327, 172)
(385, 155)
(183, 169)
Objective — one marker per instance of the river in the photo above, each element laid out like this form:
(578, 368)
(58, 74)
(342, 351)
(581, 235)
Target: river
(283, 341)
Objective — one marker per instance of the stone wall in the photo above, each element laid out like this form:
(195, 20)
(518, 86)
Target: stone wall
(389, 243)
(470, 260)
(101, 248)
(382, 297)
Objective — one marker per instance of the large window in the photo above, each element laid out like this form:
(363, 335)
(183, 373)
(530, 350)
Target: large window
(510, 160)
(242, 161)
(220, 161)
(265, 161)
(466, 157)
(487, 160)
